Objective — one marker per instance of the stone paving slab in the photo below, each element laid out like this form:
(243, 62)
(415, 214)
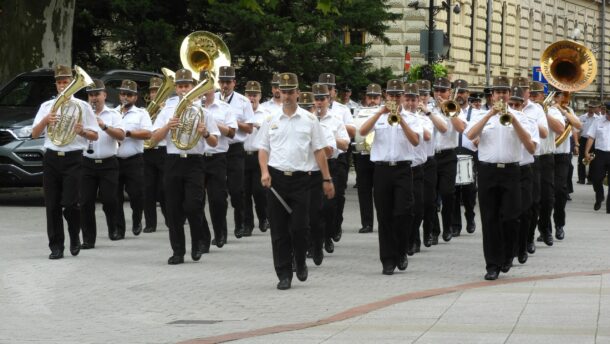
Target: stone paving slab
(124, 292)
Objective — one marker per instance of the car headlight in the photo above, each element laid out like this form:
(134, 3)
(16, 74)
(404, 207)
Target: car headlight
(24, 133)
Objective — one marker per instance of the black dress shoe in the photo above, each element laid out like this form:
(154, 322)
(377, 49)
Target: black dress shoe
(580, 182)
(388, 269)
(491, 275)
(410, 250)
(86, 246)
(568, 197)
(506, 267)
(264, 226)
(174, 260)
(403, 262)
(205, 249)
(548, 239)
(75, 249)
(197, 251)
(435, 240)
(338, 235)
(302, 273)
(366, 229)
(455, 231)
(531, 247)
(471, 227)
(137, 229)
(428, 242)
(239, 231)
(220, 242)
(597, 205)
(56, 254)
(522, 258)
(417, 248)
(284, 284)
(559, 233)
(116, 236)
(447, 236)
(329, 246)
(149, 229)
(318, 256)
(247, 231)
(539, 239)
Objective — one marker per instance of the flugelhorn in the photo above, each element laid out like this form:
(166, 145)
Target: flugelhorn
(450, 108)
(62, 132)
(394, 116)
(506, 118)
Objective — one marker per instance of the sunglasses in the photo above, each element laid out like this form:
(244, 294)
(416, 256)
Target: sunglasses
(126, 94)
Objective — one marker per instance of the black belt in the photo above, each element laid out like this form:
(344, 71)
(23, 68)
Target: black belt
(184, 155)
(251, 152)
(131, 157)
(393, 163)
(445, 151)
(156, 148)
(99, 161)
(68, 154)
(291, 173)
(499, 164)
(209, 156)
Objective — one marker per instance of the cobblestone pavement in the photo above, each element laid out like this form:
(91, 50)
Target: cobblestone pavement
(124, 292)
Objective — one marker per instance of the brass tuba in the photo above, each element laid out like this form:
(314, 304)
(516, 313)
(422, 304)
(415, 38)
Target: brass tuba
(154, 107)
(62, 132)
(201, 51)
(570, 67)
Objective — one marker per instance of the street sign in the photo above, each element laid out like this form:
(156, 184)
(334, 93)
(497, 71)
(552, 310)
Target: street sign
(537, 75)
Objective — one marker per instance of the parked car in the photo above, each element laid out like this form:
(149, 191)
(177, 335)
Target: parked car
(20, 98)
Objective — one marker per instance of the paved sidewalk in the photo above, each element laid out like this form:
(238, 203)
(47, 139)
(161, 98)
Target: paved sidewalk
(124, 292)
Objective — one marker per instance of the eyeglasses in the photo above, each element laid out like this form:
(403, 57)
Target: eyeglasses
(319, 98)
(126, 94)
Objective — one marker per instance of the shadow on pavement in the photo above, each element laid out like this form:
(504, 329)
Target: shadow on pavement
(21, 197)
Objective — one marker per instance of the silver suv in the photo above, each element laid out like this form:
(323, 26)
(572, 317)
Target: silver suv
(20, 98)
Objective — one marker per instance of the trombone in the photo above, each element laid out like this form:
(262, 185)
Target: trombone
(450, 108)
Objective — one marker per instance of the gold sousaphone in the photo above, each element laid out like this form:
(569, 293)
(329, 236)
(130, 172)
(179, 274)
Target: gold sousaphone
(569, 67)
(62, 132)
(154, 107)
(201, 51)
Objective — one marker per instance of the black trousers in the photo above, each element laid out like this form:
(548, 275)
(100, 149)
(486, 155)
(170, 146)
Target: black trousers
(600, 167)
(98, 176)
(131, 179)
(535, 208)
(253, 190)
(527, 184)
(466, 195)
(430, 216)
(61, 185)
(183, 182)
(562, 167)
(330, 207)
(340, 186)
(235, 180)
(547, 193)
(154, 160)
(499, 198)
(317, 222)
(446, 168)
(365, 170)
(582, 169)
(289, 231)
(418, 206)
(215, 181)
(393, 192)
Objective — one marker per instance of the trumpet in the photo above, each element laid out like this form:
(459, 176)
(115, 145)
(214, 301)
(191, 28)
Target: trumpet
(394, 117)
(506, 118)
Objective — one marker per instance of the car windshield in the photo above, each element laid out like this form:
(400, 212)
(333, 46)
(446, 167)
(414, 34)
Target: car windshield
(28, 91)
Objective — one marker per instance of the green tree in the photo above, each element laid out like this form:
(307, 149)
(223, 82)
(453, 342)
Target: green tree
(265, 36)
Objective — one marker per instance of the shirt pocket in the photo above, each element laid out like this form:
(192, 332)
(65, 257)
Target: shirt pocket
(303, 136)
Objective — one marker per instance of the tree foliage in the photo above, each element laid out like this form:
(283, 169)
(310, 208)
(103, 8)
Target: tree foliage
(264, 36)
(418, 72)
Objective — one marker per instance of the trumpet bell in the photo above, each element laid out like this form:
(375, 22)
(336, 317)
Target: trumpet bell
(568, 66)
(204, 51)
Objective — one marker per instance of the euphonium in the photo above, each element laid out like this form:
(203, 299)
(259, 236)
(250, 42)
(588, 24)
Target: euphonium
(62, 132)
(201, 51)
(450, 108)
(394, 116)
(154, 107)
(569, 67)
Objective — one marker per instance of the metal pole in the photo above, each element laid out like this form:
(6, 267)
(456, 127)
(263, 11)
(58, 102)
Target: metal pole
(603, 51)
(488, 43)
(448, 24)
(430, 29)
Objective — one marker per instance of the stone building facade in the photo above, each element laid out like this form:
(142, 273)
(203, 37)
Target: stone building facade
(521, 30)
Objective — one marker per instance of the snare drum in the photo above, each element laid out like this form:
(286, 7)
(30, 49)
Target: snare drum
(465, 170)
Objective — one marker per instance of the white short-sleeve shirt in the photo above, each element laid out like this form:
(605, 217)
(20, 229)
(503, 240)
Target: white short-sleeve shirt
(106, 146)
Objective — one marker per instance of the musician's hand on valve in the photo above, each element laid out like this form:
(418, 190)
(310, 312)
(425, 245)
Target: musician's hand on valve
(173, 123)
(201, 129)
(78, 128)
(100, 122)
(51, 118)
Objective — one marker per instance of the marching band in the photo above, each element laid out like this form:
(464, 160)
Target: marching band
(414, 155)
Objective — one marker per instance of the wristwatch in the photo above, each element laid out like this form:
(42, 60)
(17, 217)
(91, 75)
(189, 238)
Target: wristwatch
(105, 127)
(128, 133)
(428, 113)
(206, 136)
